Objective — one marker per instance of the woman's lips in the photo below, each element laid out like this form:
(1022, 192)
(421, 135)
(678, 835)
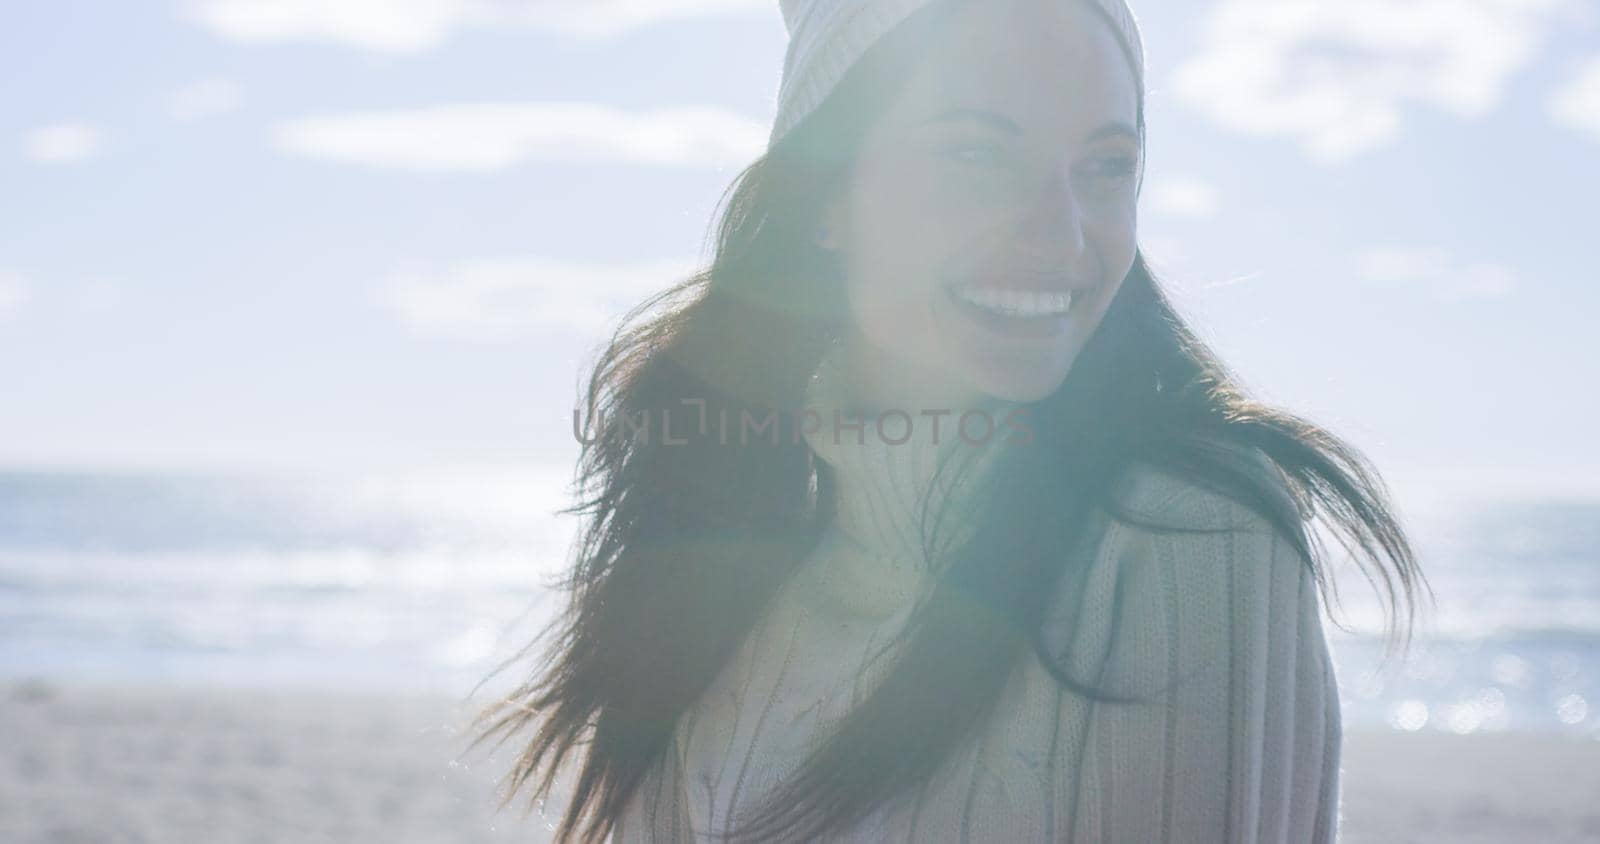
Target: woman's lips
(1013, 313)
(1013, 302)
(1026, 283)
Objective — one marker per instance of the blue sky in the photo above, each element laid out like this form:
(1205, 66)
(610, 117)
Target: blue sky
(311, 233)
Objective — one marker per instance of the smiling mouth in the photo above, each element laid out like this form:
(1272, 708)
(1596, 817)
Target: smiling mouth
(1014, 303)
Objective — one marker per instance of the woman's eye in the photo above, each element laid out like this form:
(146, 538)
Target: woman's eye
(979, 154)
(1115, 169)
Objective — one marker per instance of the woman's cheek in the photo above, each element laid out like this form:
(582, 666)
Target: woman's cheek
(900, 256)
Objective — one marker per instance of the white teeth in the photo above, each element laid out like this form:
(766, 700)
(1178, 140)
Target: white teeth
(1016, 303)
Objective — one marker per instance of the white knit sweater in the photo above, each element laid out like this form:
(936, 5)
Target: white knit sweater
(1245, 748)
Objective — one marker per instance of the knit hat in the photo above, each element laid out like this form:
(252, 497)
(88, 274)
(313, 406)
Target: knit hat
(826, 37)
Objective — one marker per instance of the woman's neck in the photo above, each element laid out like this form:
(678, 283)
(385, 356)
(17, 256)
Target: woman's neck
(875, 381)
(885, 467)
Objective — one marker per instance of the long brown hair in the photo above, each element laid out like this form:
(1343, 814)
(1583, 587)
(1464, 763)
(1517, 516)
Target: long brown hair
(684, 544)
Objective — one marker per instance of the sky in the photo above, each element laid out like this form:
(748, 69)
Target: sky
(355, 234)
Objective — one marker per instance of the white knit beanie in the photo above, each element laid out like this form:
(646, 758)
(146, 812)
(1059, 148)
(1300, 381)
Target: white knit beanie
(826, 37)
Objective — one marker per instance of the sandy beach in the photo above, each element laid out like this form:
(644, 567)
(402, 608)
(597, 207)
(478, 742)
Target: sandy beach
(85, 763)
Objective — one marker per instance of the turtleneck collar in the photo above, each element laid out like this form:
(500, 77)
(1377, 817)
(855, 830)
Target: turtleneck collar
(871, 562)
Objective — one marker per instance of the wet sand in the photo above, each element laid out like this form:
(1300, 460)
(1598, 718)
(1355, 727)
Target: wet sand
(84, 763)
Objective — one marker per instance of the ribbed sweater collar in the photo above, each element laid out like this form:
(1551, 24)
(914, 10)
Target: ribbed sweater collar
(871, 561)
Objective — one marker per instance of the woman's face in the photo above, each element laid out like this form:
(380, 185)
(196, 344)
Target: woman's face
(990, 214)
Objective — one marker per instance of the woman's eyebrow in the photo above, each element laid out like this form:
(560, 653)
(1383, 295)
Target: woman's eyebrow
(1009, 126)
(991, 118)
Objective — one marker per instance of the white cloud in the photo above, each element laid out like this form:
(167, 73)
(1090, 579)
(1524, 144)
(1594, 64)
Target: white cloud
(13, 292)
(61, 143)
(486, 137)
(1577, 104)
(1338, 75)
(498, 299)
(99, 295)
(401, 26)
(1397, 265)
(1162, 249)
(204, 98)
(1183, 196)
(1437, 270)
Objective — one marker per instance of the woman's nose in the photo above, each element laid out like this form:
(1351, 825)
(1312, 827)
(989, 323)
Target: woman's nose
(1052, 227)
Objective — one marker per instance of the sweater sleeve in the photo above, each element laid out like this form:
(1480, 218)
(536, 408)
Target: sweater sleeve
(1238, 736)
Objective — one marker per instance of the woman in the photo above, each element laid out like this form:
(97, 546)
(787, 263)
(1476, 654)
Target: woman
(919, 514)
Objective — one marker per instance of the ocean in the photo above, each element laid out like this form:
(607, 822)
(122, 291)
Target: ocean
(429, 582)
